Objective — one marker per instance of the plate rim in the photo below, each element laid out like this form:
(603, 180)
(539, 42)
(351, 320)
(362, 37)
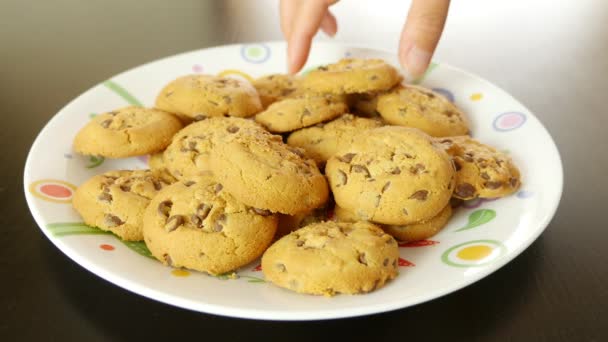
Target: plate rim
(256, 314)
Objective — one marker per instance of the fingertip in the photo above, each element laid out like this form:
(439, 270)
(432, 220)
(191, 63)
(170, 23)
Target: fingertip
(297, 53)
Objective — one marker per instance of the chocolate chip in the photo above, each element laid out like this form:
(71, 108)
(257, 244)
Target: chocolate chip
(112, 221)
(457, 166)
(396, 171)
(305, 112)
(342, 178)
(385, 263)
(189, 183)
(377, 203)
(105, 197)
(420, 195)
(213, 102)
(218, 188)
(296, 151)
(361, 259)
(430, 95)
(157, 185)
(168, 260)
(106, 123)
(361, 169)
(200, 117)
(373, 77)
(196, 220)
(418, 168)
(281, 267)
(174, 222)
(448, 113)
(125, 187)
(513, 181)
(386, 186)
(405, 211)
(232, 129)
(227, 99)
(262, 212)
(484, 175)
(492, 184)
(203, 210)
(217, 226)
(465, 190)
(395, 263)
(408, 156)
(192, 146)
(299, 243)
(347, 157)
(322, 68)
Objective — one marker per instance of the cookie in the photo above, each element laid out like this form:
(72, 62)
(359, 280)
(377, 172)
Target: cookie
(188, 154)
(363, 104)
(418, 107)
(156, 162)
(301, 111)
(115, 201)
(392, 175)
(272, 88)
(290, 223)
(265, 173)
(482, 171)
(322, 141)
(195, 97)
(352, 75)
(405, 233)
(127, 132)
(329, 258)
(198, 225)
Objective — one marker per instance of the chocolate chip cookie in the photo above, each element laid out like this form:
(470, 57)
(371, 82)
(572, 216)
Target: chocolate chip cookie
(272, 88)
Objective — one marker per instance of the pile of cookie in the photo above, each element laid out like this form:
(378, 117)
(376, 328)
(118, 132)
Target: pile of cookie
(321, 175)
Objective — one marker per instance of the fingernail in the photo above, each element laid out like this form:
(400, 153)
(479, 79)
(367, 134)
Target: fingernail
(417, 61)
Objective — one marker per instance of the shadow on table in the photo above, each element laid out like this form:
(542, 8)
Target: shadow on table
(107, 312)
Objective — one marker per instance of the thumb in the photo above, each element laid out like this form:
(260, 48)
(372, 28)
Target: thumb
(421, 33)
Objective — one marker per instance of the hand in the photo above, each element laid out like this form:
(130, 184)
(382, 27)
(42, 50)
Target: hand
(301, 19)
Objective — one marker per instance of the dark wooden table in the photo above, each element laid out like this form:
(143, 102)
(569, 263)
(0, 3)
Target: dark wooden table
(554, 58)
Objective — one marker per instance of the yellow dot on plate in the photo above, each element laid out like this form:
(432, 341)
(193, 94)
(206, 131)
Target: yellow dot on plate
(476, 96)
(476, 252)
(229, 72)
(180, 273)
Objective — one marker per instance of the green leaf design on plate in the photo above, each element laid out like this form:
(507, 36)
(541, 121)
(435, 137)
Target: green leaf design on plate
(252, 279)
(479, 217)
(139, 247)
(431, 67)
(80, 228)
(73, 228)
(95, 161)
(92, 115)
(227, 276)
(122, 92)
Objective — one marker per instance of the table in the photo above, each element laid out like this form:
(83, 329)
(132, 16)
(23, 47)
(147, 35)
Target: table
(551, 55)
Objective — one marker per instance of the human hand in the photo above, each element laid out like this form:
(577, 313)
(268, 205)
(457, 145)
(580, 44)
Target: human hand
(301, 19)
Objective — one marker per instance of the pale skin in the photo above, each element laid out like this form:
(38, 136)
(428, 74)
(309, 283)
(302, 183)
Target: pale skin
(301, 19)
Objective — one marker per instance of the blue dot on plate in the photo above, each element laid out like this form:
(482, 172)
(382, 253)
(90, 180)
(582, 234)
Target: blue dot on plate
(448, 94)
(525, 194)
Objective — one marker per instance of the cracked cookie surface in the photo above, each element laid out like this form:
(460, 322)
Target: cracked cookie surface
(300, 111)
(115, 201)
(329, 258)
(272, 88)
(127, 132)
(395, 175)
(322, 141)
(263, 172)
(198, 225)
(418, 107)
(188, 154)
(195, 97)
(352, 75)
(405, 233)
(481, 170)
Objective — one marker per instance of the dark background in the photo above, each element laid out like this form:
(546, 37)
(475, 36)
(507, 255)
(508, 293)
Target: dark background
(51, 51)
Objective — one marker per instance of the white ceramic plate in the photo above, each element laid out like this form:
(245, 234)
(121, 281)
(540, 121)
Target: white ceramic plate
(481, 237)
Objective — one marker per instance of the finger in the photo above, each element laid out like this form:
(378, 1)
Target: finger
(306, 25)
(421, 33)
(287, 9)
(329, 25)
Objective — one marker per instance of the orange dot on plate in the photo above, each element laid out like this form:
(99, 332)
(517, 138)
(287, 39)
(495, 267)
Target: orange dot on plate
(106, 247)
(476, 252)
(476, 96)
(180, 273)
(55, 190)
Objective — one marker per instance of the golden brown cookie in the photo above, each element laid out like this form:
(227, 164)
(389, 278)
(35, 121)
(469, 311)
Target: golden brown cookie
(115, 201)
(392, 175)
(188, 154)
(415, 106)
(127, 132)
(263, 172)
(272, 88)
(199, 226)
(328, 258)
(195, 97)
(352, 75)
(322, 141)
(300, 111)
(482, 171)
(405, 233)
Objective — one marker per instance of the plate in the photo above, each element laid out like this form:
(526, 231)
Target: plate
(482, 236)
